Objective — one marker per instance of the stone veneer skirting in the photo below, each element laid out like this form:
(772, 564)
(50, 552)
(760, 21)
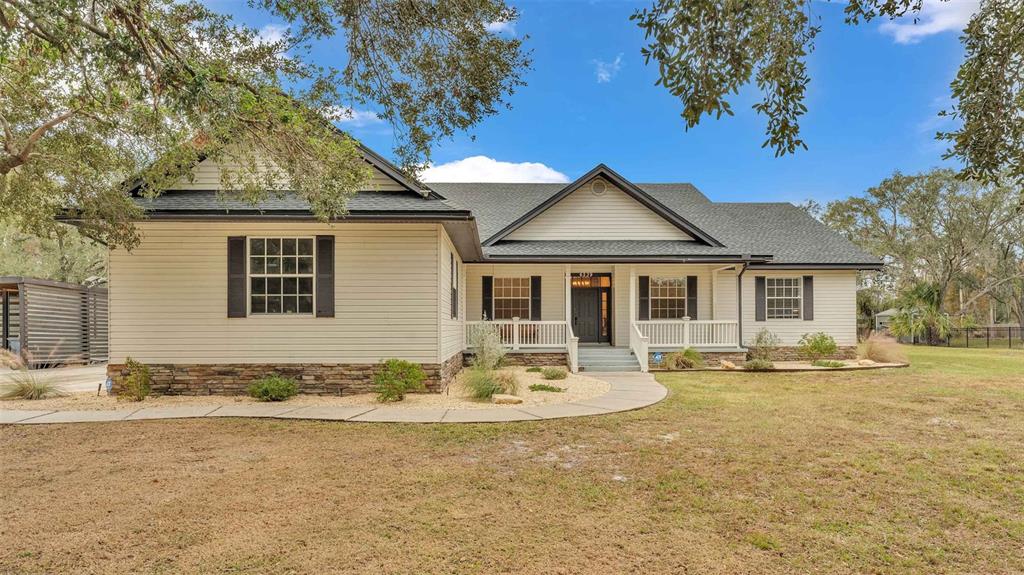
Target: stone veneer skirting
(313, 378)
(530, 359)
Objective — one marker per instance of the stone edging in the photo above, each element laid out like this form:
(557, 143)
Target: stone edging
(628, 391)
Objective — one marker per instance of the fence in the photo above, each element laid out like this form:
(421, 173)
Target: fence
(986, 337)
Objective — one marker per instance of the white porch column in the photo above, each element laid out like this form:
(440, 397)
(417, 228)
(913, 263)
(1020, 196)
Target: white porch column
(632, 295)
(568, 293)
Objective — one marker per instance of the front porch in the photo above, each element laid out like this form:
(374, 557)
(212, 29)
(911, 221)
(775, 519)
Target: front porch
(641, 307)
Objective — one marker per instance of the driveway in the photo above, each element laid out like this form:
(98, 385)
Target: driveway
(76, 378)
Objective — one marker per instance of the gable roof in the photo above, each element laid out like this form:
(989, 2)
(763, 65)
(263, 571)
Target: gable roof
(626, 186)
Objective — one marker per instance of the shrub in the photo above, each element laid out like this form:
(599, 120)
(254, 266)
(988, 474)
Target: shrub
(273, 388)
(763, 345)
(28, 386)
(483, 383)
(758, 365)
(554, 373)
(546, 387)
(488, 351)
(534, 369)
(815, 346)
(827, 363)
(688, 358)
(136, 386)
(882, 349)
(398, 377)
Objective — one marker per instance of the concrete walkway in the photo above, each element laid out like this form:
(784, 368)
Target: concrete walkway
(628, 391)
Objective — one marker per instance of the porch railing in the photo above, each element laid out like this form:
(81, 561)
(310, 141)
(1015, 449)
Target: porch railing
(518, 333)
(690, 333)
(573, 349)
(638, 344)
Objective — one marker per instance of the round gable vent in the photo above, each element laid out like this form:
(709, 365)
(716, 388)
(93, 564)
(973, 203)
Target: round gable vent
(598, 187)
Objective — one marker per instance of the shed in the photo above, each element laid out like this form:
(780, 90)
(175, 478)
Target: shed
(883, 318)
(52, 323)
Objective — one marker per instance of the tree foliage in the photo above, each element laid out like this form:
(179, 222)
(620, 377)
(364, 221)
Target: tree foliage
(707, 49)
(64, 255)
(100, 96)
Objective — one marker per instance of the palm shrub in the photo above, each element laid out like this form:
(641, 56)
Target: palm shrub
(273, 388)
(136, 386)
(688, 358)
(28, 386)
(488, 349)
(920, 313)
(763, 345)
(398, 377)
(815, 346)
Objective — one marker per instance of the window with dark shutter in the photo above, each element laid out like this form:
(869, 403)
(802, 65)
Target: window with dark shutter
(644, 310)
(325, 276)
(454, 278)
(691, 297)
(759, 298)
(236, 276)
(534, 298)
(487, 283)
(808, 298)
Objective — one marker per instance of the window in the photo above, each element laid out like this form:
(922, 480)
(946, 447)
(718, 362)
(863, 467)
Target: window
(281, 275)
(455, 285)
(782, 298)
(511, 298)
(668, 298)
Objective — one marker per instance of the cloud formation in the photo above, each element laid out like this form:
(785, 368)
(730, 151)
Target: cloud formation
(352, 118)
(501, 27)
(272, 33)
(936, 17)
(484, 169)
(606, 71)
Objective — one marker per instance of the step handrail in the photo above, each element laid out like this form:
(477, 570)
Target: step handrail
(638, 343)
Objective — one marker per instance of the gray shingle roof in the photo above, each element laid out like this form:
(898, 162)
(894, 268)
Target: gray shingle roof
(205, 201)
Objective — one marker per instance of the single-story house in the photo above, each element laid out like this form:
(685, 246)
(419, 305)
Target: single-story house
(600, 273)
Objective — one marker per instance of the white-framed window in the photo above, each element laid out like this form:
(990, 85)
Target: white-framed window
(783, 298)
(668, 298)
(281, 275)
(511, 298)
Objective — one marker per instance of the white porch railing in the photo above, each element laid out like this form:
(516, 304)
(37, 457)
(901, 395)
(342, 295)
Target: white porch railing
(573, 348)
(638, 343)
(518, 333)
(690, 333)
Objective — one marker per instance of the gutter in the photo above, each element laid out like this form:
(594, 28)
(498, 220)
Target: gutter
(285, 215)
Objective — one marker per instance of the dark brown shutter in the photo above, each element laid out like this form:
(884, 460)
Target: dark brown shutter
(455, 287)
(808, 298)
(534, 298)
(644, 310)
(759, 298)
(691, 297)
(236, 276)
(325, 276)
(488, 298)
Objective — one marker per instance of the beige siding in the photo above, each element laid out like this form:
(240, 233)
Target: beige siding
(835, 308)
(614, 215)
(552, 285)
(725, 295)
(168, 297)
(452, 329)
(621, 281)
(206, 176)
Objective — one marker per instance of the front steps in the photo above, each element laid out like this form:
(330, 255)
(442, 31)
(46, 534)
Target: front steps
(607, 358)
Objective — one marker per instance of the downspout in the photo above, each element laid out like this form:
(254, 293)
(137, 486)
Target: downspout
(739, 303)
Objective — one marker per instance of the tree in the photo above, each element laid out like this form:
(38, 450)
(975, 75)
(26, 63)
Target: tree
(66, 256)
(98, 96)
(707, 49)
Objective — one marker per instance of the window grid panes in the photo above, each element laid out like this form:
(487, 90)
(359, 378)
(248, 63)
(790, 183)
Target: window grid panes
(783, 298)
(668, 298)
(511, 298)
(281, 275)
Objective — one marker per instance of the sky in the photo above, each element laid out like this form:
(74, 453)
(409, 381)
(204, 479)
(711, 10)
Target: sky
(872, 103)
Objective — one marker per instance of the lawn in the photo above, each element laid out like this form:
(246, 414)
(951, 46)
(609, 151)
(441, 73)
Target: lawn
(917, 470)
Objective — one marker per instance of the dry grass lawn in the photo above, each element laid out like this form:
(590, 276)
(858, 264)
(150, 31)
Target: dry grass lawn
(917, 470)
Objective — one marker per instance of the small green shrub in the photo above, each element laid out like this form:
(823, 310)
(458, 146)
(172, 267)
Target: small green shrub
(273, 388)
(546, 387)
(136, 386)
(534, 369)
(688, 358)
(554, 373)
(27, 386)
(758, 365)
(815, 346)
(763, 345)
(483, 383)
(827, 363)
(488, 350)
(398, 377)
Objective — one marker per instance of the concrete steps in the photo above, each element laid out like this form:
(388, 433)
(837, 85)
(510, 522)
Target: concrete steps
(607, 359)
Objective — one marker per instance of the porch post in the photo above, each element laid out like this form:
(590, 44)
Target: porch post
(568, 294)
(632, 295)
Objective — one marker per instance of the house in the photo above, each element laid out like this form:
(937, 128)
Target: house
(883, 318)
(601, 273)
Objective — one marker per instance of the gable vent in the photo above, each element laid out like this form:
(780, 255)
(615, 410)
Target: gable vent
(598, 187)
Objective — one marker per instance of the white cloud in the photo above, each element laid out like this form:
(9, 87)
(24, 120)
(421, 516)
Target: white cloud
(605, 71)
(272, 33)
(350, 117)
(484, 169)
(501, 27)
(935, 17)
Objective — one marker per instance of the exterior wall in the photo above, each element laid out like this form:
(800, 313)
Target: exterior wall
(552, 285)
(614, 215)
(168, 298)
(725, 294)
(206, 176)
(452, 330)
(621, 281)
(835, 307)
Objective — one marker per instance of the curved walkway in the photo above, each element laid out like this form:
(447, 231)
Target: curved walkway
(628, 391)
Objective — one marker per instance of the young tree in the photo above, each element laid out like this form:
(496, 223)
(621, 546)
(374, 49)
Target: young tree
(707, 49)
(100, 95)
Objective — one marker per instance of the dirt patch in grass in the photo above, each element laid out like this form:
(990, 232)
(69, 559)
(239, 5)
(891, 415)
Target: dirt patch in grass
(918, 470)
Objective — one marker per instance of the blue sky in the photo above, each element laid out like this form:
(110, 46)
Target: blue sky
(873, 99)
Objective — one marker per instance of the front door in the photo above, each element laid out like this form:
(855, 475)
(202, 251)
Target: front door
(586, 314)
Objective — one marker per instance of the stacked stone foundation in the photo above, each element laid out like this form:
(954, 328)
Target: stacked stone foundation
(530, 359)
(312, 378)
